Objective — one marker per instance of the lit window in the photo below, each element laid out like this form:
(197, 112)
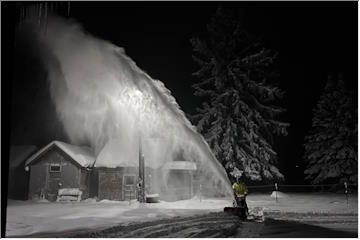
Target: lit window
(55, 168)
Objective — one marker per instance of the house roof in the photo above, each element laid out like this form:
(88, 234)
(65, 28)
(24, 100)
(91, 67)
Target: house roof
(118, 153)
(19, 153)
(82, 155)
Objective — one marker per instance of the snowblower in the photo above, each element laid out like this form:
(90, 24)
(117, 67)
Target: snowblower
(240, 208)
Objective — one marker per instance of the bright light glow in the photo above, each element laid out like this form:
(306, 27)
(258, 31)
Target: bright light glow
(104, 99)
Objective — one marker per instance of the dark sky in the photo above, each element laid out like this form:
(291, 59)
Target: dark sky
(312, 40)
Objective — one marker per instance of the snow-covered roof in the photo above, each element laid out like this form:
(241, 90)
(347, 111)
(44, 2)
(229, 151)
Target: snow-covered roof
(82, 155)
(119, 153)
(180, 165)
(19, 153)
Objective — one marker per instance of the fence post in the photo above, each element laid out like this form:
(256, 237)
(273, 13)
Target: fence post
(346, 193)
(200, 191)
(276, 189)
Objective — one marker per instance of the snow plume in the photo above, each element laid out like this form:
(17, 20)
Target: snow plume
(104, 100)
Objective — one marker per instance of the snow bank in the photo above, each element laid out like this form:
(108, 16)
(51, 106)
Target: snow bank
(277, 194)
(305, 203)
(152, 195)
(30, 217)
(90, 200)
(111, 201)
(195, 203)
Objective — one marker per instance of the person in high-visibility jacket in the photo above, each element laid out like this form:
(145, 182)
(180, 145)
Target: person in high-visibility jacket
(240, 192)
(240, 188)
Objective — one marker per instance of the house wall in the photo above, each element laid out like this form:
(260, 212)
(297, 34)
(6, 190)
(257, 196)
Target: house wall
(179, 185)
(175, 185)
(71, 175)
(110, 182)
(37, 180)
(85, 182)
(94, 184)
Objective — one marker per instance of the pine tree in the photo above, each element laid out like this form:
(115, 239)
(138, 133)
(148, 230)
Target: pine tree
(238, 114)
(331, 148)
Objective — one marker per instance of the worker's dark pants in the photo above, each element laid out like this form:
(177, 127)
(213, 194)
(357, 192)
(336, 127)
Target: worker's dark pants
(241, 202)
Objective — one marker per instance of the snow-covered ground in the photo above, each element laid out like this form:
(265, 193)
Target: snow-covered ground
(27, 217)
(327, 210)
(305, 202)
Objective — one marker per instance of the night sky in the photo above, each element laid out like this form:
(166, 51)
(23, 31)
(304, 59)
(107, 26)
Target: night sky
(312, 40)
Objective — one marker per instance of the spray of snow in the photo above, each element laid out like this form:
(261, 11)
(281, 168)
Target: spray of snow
(104, 100)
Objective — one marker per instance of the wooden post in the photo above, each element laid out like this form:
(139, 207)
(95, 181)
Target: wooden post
(276, 189)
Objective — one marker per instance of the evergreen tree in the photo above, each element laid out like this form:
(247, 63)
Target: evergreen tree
(238, 115)
(331, 148)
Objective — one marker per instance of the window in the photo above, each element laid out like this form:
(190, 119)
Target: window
(129, 180)
(55, 168)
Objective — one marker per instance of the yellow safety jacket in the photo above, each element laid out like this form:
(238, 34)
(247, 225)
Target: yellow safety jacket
(240, 189)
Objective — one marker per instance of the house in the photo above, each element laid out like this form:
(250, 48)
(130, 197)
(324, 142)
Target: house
(18, 178)
(59, 165)
(116, 171)
(113, 174)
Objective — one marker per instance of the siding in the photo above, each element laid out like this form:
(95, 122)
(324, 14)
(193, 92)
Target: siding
(71, 176)
(175, 185)
(85, 182)
(94, 184)
(37, 180)
(111, 182)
